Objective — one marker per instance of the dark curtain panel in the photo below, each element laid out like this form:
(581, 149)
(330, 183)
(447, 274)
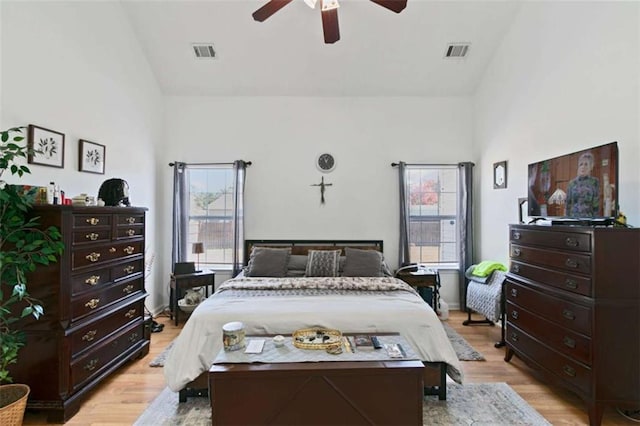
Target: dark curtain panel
(465, 192)
(240, 171)
(180, 221)
(403, 251)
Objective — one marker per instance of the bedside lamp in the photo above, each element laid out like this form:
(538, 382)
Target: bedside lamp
(197, 249)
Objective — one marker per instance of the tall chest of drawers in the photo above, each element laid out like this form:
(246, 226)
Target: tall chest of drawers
(573, 310)
(93, 299)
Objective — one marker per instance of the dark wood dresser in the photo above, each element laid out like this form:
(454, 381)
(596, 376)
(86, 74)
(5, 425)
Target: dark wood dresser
(573, 310)
(93, 301)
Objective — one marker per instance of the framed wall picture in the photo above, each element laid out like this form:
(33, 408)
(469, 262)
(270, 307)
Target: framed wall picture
(500, 175)
(91, 157)
(47, 146)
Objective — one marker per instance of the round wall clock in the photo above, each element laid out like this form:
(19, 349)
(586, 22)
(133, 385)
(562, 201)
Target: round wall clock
(326, 162)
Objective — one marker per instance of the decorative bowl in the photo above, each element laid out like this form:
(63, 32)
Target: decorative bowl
(184, 307)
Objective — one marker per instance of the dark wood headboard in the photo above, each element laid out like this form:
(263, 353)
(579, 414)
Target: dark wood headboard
(302, 247)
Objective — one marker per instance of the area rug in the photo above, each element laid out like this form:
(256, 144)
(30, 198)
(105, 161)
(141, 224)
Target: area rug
(463, 349)
(472, 404)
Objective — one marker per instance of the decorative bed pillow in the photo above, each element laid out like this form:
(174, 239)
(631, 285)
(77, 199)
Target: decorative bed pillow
(268, 262)
(297, 265)
(322, 263)
(363, 263)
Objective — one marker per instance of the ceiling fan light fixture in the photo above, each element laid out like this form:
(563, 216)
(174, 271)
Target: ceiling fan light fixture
(329, 5)
(311, 3)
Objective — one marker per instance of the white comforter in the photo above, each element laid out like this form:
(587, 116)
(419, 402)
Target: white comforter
(283, 305)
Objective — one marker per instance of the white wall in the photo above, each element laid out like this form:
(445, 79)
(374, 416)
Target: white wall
(283, 136)
(77, 68)
(564, 79)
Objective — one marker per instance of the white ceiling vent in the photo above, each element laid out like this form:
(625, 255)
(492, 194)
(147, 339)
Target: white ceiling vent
(457, 50)
(204, 50)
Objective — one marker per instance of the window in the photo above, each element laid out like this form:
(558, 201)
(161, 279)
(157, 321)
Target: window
(433, 215)
(210, 192)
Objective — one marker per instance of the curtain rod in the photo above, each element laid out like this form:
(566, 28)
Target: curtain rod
(424, 164)
(248, 163)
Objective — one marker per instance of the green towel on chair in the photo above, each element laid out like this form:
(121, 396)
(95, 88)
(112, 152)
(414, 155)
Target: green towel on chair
(486, 267)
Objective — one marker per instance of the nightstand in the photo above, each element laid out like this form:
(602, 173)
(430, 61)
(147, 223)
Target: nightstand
(185, 281)
(427, 285)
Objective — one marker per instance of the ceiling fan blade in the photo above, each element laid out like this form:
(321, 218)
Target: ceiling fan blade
(330, 26)
(269, 9)
(395, 5)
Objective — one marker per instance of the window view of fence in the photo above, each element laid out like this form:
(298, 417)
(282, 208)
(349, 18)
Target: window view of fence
(433, 215)
(210, 214)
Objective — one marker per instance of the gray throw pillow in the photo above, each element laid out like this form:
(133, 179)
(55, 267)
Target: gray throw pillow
(322, 263)
(268, 262)
(363, 263)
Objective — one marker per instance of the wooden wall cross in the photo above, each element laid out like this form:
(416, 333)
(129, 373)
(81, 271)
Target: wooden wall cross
(322, 185)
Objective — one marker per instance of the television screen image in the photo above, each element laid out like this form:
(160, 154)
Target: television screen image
(580, 185)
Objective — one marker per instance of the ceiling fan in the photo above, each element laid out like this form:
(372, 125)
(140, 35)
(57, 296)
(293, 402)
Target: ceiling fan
(329, 10)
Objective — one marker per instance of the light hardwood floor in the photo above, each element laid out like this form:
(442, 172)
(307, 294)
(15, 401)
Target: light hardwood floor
(125, 395)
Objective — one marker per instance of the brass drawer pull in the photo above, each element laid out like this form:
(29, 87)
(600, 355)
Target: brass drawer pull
(569, 342)
(93, 221)
(569, 283)
(93, 257)
(515, 268)
(131, 232)
(131, 220)
(91, 365)
(92, 280)
(90, 335)
(514, 292)
(130, 313)
(92, 236)
(133, 337)
(129, 269)
(129, 249)
(571, 263)
(515, 315)
(516, 235)
(568, 314)
(128, 289)
(93, 303)
(112, 250)
(568, 371)
(515, 337)
(517, 252)
(571, 242)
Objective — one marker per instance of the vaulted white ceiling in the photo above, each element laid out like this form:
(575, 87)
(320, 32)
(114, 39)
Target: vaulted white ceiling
(380, 53)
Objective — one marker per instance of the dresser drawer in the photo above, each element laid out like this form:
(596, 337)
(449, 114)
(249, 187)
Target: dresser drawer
(96, 300)
(567, 261)
(90, 280)
(574, 345)
(97, 255)
(91, 220)
(127, 269)
(570, 315)
(87, 236)
(558, 240)
(559, 279)
(130, 219)
(99, 328)
(571, 372)
(100, 358)
(130, 231)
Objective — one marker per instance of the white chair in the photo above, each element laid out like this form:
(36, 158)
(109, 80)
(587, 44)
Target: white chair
(486, 297)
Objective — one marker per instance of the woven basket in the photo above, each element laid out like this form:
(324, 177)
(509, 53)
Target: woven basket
(13, 402)
(301, 338)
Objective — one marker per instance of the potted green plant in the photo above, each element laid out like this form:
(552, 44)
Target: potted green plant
(23, 246)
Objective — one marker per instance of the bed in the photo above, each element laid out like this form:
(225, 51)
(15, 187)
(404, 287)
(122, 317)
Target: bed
(291, 284)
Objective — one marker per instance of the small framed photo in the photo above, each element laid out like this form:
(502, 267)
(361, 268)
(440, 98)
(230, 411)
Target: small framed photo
(91, 157)
(500, 175)
(46, 147)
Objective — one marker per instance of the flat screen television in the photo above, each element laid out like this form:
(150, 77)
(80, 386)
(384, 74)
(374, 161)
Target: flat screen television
(579, 186)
